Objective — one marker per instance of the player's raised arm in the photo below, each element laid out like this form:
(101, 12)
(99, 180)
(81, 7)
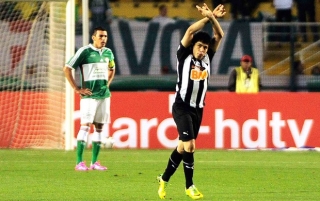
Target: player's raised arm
(193, 28)
(208, 15)
(219, 11)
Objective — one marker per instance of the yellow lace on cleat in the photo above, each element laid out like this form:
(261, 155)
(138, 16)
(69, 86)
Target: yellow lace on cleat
(194, 193)
(162, 187)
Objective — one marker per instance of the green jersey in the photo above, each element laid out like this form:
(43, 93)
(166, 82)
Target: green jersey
(94, 65)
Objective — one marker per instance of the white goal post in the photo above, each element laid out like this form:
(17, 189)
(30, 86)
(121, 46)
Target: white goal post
(70, 48)
(36, 103)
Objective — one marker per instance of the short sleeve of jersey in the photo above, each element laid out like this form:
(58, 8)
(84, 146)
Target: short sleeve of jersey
(182, 52)
(77, 59)
(109, 54)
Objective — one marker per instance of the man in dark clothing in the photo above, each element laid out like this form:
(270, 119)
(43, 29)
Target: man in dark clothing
(306, 9)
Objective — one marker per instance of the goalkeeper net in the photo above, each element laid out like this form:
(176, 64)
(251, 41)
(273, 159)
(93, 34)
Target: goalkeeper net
(32, 84)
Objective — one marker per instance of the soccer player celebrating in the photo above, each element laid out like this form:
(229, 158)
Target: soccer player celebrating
(194, 56)
(96, 63)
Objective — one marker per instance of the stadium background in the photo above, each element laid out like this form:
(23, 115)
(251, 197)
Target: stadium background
(268, 57)
(32, 101)
(256, 37)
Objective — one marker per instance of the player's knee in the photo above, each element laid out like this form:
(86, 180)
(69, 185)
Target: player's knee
(180, 148)
(189, 146)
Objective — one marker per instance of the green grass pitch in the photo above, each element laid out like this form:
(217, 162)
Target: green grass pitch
(219, 175)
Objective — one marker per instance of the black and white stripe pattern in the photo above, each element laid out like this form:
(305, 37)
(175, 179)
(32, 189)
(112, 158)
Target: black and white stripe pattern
(193, 75)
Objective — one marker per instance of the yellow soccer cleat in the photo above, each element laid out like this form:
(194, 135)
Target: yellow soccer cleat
(162, 187)
(193, 193)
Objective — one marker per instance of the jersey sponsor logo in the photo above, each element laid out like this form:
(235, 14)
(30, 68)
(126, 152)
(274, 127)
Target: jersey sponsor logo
(97, 71)
(198, 71)
(197, 74)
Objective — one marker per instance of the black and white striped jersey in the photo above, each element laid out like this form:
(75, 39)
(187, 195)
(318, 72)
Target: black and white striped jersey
(193, 76)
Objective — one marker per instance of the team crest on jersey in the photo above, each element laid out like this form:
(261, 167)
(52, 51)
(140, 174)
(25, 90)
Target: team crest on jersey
(198, 72)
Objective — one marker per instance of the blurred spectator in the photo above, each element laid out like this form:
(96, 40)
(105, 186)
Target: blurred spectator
(163, 18)
(284, 15)
(307, 13)
(315, 70)
(245, 78)
(243, 9)
(101, 14)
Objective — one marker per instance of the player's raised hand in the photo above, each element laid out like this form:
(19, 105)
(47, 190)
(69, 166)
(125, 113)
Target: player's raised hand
(204, 10)
(219, 11)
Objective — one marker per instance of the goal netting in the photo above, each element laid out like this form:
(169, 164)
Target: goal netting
(32, 83)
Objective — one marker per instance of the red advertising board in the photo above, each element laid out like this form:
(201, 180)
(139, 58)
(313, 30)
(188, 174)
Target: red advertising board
(266, 120)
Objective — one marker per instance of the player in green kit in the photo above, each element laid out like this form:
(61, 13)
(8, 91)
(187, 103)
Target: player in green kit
(97, 70)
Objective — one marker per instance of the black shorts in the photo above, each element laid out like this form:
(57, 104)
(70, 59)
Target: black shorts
(188, 120)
